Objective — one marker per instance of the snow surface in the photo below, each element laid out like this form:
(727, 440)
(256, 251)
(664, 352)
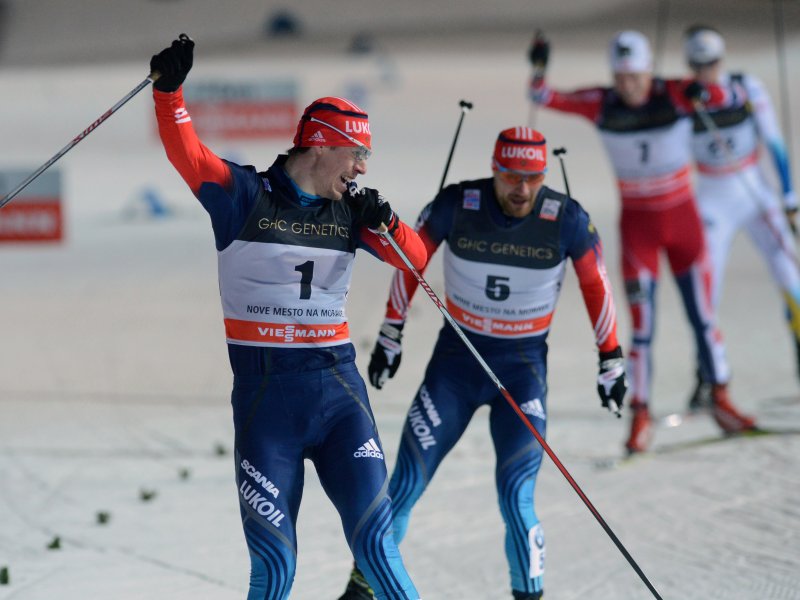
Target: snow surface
(114, 380)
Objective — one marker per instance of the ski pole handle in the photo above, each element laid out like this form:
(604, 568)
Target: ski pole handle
(559, 152)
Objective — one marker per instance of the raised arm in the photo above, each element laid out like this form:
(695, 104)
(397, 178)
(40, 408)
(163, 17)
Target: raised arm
(193, 161)
(585, 102)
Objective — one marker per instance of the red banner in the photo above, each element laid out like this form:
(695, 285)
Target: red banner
(35, 214)
(243, 108)
(31, 221)
(243, 120)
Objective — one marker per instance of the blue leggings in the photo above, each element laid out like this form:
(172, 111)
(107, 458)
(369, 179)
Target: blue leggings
(323, 415)
(453, 389)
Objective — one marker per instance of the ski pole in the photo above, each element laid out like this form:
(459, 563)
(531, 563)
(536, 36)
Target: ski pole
(8, 197)
(662, 17)
(465, 108)
(539, 438)
(559, 152)
(780, 41)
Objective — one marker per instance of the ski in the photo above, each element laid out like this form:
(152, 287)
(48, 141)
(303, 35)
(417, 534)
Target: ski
(610, 463)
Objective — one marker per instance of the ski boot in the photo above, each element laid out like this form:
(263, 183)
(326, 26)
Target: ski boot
(357, 587)
(700, 400)
(726, 415)
(797, 354)
(641, 428)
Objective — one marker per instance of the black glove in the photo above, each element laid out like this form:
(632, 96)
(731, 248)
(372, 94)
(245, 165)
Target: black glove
(386, 356)
(611, 382)
(373, 210)
(173, 64)
(539, 51)
(696, 92)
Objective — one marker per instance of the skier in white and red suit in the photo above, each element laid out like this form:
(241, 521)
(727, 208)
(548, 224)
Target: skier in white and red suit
(507, 242)
(733, 191)
(645, 124)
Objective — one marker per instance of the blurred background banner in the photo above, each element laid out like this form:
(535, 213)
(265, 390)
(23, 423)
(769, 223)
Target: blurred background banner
(242, 109)
(35, 215)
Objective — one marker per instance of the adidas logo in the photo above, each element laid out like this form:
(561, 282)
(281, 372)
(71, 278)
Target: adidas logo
(369, 450)
(182, 115)
(533, 408)
(317, 137)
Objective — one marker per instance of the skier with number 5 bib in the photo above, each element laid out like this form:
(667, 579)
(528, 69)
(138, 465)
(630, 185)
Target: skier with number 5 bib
(286, 239)
(645, 124)
(507, 240)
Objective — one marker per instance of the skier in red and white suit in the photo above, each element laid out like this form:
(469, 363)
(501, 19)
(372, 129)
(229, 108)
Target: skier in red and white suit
(645, 125)
(732, 190)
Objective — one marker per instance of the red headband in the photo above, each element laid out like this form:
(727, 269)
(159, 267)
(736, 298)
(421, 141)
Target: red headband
(520, 149)
(333, 122)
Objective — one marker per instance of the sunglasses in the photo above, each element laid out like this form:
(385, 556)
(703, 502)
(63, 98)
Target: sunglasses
(694, 66)
(360, 152)
(513, 178)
